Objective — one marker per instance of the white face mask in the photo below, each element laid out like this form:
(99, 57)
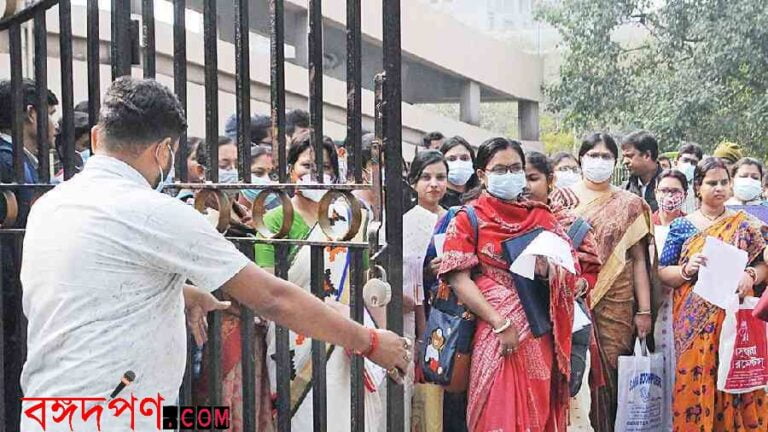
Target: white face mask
(746, 188)
(227, 175)
(564, 179)
(167, 178)
(597, 170)
(507, 186)
(313, 194)
(459, 172)
(688, 169)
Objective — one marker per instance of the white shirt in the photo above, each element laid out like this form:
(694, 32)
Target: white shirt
(105, 258)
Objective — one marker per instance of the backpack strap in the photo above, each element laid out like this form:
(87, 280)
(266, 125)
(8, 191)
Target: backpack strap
(472, 215)
(578, 231)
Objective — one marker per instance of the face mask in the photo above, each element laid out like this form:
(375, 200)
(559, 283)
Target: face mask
(166, 178)
(597, 170)
(506, 186)
(85, 154)
(459, 172)
(313, 194)
(250, 194)
(746, 189)
(564, 179)
(688, 169)
(227, 175)
(671, 202)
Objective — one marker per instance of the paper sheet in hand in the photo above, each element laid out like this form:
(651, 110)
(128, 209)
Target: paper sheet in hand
(439, 243)
(580, 319)
(719, 279)
(549, 245)
(418, 227)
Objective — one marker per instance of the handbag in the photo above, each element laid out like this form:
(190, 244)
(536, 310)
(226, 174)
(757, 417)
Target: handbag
(444, 357)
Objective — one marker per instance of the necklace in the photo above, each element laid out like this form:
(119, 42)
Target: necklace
(713, 218)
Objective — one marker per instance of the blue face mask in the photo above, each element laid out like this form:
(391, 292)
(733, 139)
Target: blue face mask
(507, 186)
(165, 179)
(85, 154)
(250, 194)
(227, 175)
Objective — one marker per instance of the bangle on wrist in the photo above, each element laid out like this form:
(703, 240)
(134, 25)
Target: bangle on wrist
(643, 312)
(507, 324)
(752, 273)
(684, 274)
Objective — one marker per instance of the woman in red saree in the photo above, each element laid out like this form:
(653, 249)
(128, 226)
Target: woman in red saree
(517, 382)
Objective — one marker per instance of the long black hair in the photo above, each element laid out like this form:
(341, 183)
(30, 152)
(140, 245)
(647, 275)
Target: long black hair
(422, 160)
(593, 140)
(703, 168)
(456, 141)
(302, 142)
(541, 162)
(486, 152)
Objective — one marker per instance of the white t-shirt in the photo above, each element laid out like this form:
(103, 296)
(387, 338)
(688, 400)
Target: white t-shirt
(105, 258)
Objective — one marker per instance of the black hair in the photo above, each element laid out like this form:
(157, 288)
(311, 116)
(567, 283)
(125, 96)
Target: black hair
(593, 140)
(426, 141)
(302, 142)
(28, 96)
(258, 151)
(485, 153)
(747, 161)
(561, 156)
(644, 142)
(422, 160)
(138, 112)
(196, 151)
(260, 128)
(691, 148)
(456, 141)
(81, 124)
(82, 107)
(366, 148)
(675, 174)
(226, 140)
(541, 162)
(297, 118)
(664, 158)
(704, 167)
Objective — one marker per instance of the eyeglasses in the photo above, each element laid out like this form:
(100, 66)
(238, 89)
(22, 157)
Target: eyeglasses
(463, 157)
(573, 169)
(503, 169)
(667, 191)
(603, 156)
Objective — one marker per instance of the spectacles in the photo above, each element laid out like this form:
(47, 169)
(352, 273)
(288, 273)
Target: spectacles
(503, 169)
(573, 169)
(603, 156)
(670, 191)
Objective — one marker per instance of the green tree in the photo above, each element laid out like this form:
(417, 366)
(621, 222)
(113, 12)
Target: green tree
(697, 70)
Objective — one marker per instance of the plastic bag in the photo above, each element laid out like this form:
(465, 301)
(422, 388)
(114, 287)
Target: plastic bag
(743, 350)
(640, 391)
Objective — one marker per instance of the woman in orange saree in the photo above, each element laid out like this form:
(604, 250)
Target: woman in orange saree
(518, 382)
(620, 301)
(697, 405)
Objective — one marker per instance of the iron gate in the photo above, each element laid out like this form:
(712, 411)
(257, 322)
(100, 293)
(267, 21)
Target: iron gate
(17, 196)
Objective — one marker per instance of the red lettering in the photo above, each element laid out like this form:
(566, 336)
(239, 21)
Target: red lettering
(204, 412)
(184, 421)
(221, 417)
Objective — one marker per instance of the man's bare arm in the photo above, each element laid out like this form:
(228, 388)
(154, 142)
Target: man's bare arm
(287, 304)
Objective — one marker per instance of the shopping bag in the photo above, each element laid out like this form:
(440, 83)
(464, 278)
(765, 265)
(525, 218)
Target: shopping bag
(743, 350)
(641, 391)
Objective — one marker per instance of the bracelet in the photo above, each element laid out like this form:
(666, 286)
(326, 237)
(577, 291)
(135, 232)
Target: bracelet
(373, 344)
(683, 275)
(752, 273)
(507, 324)
(643, 312)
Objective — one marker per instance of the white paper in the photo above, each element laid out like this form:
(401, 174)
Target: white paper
(439, 243)
(718, 281)
(418, 227)
(549, 245)
(660, 237)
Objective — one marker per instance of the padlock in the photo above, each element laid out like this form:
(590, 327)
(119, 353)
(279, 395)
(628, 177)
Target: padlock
(377, 292)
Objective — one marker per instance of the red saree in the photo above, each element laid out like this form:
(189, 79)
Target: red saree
(527, 390)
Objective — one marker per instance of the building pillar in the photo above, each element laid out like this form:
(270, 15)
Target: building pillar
(470, 103)
(528, 120)
(300, 38)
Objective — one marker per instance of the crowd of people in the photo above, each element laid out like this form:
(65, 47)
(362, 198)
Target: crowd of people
(637, 258)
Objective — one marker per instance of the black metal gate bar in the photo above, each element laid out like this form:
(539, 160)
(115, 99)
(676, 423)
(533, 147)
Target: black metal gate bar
(319, 349)
(94, 72)
(121, 38)
(148, 30)
(355, 161)
(394, 191)
(180, 77)
(41, 84)
(67, 105)
(17, 101)
(243, 89)
(210, 42)
(247, 362)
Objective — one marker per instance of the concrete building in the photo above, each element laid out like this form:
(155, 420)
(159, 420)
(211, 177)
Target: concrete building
(444, 61)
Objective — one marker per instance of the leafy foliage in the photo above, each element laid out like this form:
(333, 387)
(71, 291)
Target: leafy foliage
(695, 70)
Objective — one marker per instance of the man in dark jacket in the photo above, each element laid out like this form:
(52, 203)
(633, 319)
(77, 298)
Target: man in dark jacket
(640, 151)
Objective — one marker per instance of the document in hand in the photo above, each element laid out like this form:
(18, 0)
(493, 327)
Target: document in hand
(418, 226)
(719, 279)
(549, 245)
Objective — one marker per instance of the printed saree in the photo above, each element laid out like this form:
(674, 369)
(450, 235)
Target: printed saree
(619, 220)
(528, 389)
(697, 405)
(338, 364)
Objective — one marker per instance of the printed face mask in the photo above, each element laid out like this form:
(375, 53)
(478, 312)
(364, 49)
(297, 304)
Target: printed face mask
(671, 202)
(507, 186)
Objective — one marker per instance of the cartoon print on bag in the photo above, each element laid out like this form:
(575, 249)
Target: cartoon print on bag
(432, 357)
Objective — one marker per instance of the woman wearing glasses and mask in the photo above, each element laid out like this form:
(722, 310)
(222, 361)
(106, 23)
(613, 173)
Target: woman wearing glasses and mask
(517, 382)
(461, 159)
(302, 170)
(620, 301)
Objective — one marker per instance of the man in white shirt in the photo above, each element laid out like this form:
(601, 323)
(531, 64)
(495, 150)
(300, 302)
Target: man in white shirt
(105, 262)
